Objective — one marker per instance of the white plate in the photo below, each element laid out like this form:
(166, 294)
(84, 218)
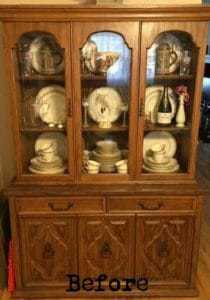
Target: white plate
(170, 165)
(169, 170)
(152, 100)
(48, 171)
(104, 104)
(46, 56)
(55, 142)
(159, 137)
(50, 104)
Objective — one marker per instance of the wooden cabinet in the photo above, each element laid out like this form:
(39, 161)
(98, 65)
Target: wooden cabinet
(165, 243)
(105, 103)
(48, 247)
(107, 246)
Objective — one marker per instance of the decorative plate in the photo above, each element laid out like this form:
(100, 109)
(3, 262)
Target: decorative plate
(104, 104)
(50, 104)
(152, 100)
(159, 137)
(46, 56)
(52, 142)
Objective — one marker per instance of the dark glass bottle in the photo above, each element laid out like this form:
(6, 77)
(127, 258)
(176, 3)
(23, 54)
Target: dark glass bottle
(164, 109)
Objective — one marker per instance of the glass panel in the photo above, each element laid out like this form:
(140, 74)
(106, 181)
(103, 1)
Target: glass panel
(169, 100)
(43, 110)
(105, 81)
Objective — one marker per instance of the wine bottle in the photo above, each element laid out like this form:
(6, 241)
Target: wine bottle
(164, 109)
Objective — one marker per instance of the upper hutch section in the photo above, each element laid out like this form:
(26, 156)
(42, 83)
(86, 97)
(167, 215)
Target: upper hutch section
(115, 100)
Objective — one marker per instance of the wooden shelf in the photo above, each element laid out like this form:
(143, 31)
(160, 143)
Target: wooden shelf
(173, 77)
(172, 127)
(95, 128)
(42, 129)
(37, 77)
(93, 77)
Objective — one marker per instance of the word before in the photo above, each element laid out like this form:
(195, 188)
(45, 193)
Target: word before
(97, 284)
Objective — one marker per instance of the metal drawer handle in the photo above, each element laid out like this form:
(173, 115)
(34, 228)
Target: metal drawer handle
(157, 207)
(54, 208)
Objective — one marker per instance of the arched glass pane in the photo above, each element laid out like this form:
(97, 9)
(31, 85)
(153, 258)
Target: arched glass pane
(105, 81)
(169, 101)
(41, 81)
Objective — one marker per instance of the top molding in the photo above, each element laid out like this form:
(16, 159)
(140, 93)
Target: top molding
(87, 12)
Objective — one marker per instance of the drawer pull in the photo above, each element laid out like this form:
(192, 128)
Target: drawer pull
(157, 207)
(66, 208)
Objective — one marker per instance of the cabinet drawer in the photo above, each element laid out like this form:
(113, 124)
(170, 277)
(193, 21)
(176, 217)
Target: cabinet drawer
(150, 203)
(60, 205)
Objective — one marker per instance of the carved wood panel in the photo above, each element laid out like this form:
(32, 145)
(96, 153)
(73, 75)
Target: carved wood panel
(106, 246)
(163, 248)
(48, 247)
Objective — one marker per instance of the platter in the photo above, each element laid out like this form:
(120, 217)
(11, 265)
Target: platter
(152, 100)
(50, 104)
(104, 104)
(162, 138)
(46, 56)
(52, 142)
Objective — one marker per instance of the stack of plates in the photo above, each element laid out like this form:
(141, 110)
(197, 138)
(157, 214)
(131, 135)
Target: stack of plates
(168, 165)
(40, 166)
(107, 160)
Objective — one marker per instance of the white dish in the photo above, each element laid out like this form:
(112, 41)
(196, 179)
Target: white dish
(152, 161)
(104, 105)
(52, 142)
(52, 171)
(152, 100)
(159, 137)
(46, 56)
(50, 105)
(170, 165)
(169, 170)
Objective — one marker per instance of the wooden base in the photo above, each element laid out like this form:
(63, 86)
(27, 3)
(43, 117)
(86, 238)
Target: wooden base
(49, 295)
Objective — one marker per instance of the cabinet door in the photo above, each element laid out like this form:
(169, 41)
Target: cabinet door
(164, 249)
(170, 93)
(48, 250)
(106, 246)
(105, 71)
(39, 67)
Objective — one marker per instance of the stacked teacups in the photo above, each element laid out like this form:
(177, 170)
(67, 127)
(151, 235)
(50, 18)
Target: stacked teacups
(92, 166)
(122, 166)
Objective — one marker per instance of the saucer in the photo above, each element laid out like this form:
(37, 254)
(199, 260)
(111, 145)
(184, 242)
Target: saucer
(171, 167)
(150, 159)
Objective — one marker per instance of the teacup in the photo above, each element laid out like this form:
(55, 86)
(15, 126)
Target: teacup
(92, 166)
(158, 153)
(122, 166)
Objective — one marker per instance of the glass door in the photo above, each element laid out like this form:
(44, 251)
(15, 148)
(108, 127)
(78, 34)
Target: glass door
(170, 98)
(44, 129)
(106, 75)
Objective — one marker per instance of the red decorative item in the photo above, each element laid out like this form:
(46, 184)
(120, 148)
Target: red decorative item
(11, 268)
(183, 90)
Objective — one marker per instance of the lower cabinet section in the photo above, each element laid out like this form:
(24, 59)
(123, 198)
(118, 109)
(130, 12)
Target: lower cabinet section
(164, 249)
(106, 245)
(155, 243)
(49, 248)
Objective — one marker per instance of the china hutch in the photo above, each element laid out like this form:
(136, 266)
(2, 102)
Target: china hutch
(105, 114)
